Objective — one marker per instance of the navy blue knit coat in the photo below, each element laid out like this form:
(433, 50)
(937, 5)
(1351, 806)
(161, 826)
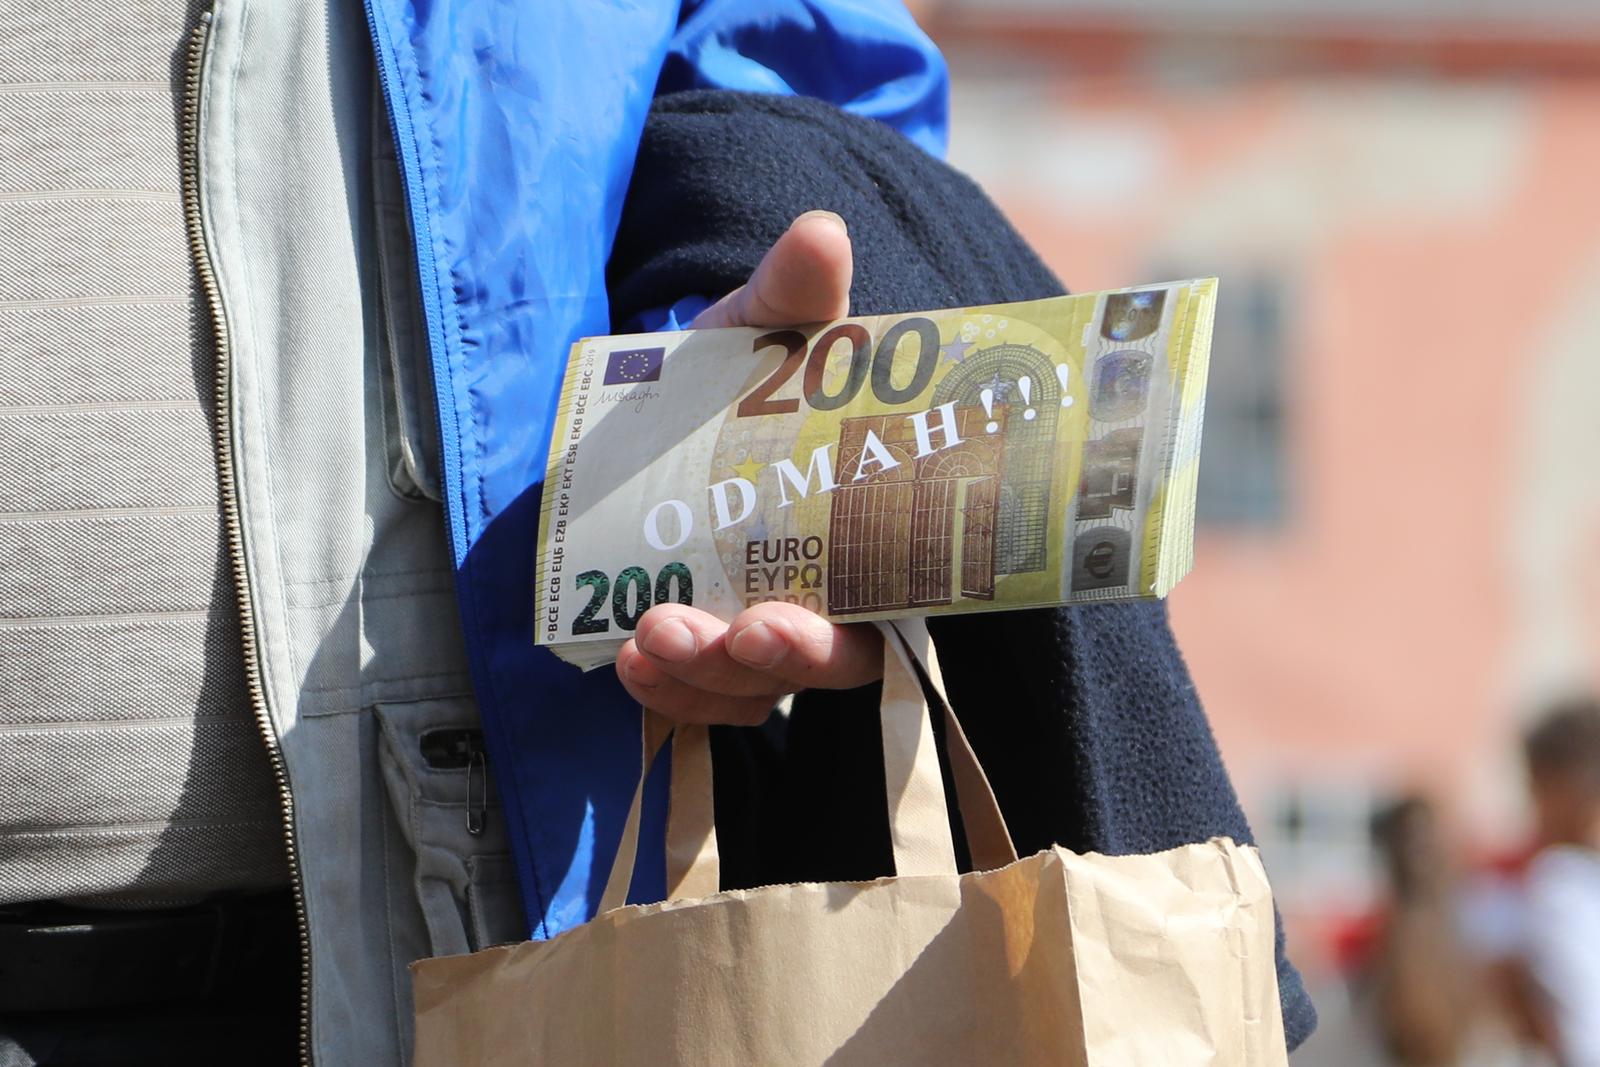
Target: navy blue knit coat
(1085, 718)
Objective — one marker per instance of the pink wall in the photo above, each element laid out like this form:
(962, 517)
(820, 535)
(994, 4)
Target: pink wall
(1438, 234)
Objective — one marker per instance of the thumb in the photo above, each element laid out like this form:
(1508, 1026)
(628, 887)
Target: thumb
(804, 277)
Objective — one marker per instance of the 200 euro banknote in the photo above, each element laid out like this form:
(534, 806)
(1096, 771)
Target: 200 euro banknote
(970, 459)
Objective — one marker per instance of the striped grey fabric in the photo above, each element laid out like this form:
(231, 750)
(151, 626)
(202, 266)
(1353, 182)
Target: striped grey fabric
(131, 771)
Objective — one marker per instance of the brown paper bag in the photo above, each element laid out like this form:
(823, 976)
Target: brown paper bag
(1055, 959)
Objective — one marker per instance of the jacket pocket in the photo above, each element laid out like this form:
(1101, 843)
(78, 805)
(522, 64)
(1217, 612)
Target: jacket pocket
(405, 369)
(437, 775)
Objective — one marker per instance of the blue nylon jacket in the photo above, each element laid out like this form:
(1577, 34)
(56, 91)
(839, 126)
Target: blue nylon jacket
(516, 127)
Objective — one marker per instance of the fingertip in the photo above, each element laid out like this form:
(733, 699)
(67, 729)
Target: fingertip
(758, 644)
(794, 624)
(628, 651)
(823, 216)
(848, 655)
(671, 641)
(653, 618)
(817, 247)
(703, 626)
(635, 669)
(756, 712)
(815, 653)
(805, 277)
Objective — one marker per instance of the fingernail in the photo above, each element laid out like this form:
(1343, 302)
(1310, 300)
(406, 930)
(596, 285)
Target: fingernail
(758, 645)
(672, 641)
(832, 216)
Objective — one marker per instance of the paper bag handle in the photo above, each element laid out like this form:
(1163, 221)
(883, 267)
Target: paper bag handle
(908, 646)
(918, 821)
(694, 867)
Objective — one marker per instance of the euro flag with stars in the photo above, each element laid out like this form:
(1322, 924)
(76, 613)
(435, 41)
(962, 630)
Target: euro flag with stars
(629, 365)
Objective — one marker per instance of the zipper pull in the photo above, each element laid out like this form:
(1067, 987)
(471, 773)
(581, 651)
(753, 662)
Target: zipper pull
(477, 792)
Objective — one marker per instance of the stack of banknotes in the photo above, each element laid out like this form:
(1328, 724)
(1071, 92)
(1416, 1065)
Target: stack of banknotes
(972, 459)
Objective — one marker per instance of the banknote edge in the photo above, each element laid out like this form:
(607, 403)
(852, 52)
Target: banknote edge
(1177, 536)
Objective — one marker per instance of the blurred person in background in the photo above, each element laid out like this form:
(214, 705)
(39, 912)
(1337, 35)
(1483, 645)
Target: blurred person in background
(1418, 977)
(1561, 942)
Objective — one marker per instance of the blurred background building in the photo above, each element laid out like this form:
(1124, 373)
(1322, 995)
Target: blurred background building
(1400, 553)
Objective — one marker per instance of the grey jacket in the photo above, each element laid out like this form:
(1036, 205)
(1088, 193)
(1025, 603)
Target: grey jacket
(339, 548)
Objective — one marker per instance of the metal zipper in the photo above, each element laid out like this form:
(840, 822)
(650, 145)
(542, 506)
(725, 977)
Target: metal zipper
(232, 526)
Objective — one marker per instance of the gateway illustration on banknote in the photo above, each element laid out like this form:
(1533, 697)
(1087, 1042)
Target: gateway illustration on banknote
(970, 459)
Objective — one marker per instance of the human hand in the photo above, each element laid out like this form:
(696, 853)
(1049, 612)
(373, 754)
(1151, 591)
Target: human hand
(691, 666)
